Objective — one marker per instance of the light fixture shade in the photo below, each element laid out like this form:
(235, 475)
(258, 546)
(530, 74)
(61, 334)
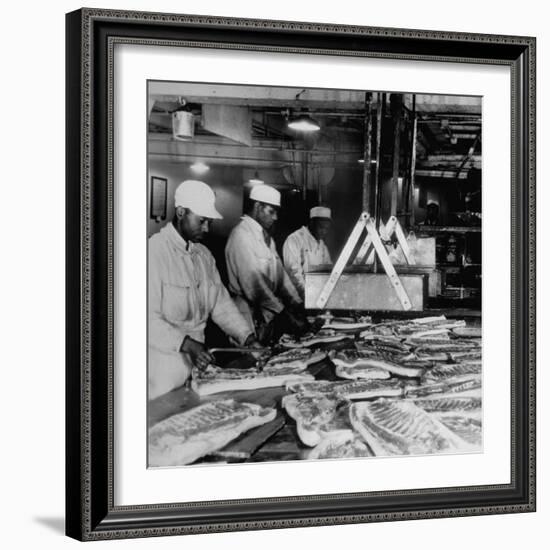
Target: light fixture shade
(303, 123)
(183, 125)
(200, 167)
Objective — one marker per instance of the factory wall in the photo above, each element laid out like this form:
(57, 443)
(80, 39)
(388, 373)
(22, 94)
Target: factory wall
(229, 184)
(226, 181)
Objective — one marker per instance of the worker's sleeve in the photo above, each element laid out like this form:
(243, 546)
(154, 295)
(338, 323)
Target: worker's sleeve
(327, 259)
(243, 263)
(225, 313)
(293, 263)
(162, 334)
(289, 291)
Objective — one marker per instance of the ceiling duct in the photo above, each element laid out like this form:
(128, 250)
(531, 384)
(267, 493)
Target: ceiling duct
(230, 121)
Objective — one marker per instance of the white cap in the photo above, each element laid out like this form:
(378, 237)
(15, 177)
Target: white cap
(267, 194)
(432, 202)
(198, 197)
(320, 212)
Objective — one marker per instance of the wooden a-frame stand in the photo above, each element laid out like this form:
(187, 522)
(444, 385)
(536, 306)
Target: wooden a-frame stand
(372, 243)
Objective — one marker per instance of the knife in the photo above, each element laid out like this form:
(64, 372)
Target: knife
(239, 350)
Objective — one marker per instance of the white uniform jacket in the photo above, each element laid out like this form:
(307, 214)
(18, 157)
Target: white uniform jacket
(301, 251)
(257, 278)
(184, 290)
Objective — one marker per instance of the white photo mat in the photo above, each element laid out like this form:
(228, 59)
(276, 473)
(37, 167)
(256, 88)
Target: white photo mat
(133, 482)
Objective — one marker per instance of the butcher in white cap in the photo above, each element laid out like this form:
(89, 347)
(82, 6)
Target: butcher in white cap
(306, 247)
(258, 281)
(432, 213)
(184, 291)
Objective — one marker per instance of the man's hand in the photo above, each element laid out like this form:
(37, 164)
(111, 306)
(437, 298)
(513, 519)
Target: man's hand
(317, 324)
(299, 323)
(252, 343)
(290, 322)
(298, 319)
(197, 352)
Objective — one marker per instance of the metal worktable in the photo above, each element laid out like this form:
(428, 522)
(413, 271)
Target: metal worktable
(277, 440)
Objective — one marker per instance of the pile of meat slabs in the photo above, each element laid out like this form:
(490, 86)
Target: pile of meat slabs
(408, 387)
(403, 388)
(183, 438)
(278, 370)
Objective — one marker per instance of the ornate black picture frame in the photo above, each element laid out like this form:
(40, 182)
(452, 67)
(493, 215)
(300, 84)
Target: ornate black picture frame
(90, 509)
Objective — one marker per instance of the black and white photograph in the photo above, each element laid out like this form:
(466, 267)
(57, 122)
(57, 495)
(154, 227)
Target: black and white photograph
(314, 273)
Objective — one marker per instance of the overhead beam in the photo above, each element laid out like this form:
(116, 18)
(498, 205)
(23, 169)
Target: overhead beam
(448, 104)
(261, 96)
(267, 96)
(249, 162)
(458, 135)
(449, 158)
(443, 162)
(445, 174)
(266, 151)
(271, 143)
(464, 127)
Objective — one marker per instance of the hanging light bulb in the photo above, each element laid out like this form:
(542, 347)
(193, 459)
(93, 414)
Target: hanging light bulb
(200, 168)
(303, 123)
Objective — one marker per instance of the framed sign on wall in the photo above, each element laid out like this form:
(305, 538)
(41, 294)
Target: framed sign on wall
(159, 196)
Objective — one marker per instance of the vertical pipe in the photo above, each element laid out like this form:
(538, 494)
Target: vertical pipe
(381, 99)
(319, 190)
(305, 168)
(405, 199)
(396, 107)
(367, 154)
(378, 205)
(412, 220)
